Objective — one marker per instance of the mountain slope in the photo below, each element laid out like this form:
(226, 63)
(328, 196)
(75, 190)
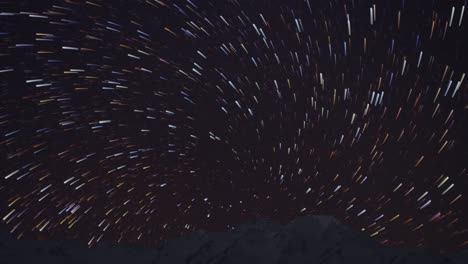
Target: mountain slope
(312, 239)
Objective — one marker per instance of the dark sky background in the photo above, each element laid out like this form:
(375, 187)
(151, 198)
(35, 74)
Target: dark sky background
(136, 121)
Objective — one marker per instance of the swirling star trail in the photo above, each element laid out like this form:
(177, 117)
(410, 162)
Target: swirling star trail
(136, 121)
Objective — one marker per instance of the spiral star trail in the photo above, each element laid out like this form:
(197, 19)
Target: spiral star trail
(137, 121)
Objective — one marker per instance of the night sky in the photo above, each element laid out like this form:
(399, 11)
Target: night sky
(141, 120)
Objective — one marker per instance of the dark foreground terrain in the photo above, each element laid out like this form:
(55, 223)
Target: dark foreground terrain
(316, 239)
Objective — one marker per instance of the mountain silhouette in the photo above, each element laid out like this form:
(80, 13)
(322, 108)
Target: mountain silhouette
(310, 239)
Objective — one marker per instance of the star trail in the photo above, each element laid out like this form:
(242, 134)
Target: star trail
(137, 121)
